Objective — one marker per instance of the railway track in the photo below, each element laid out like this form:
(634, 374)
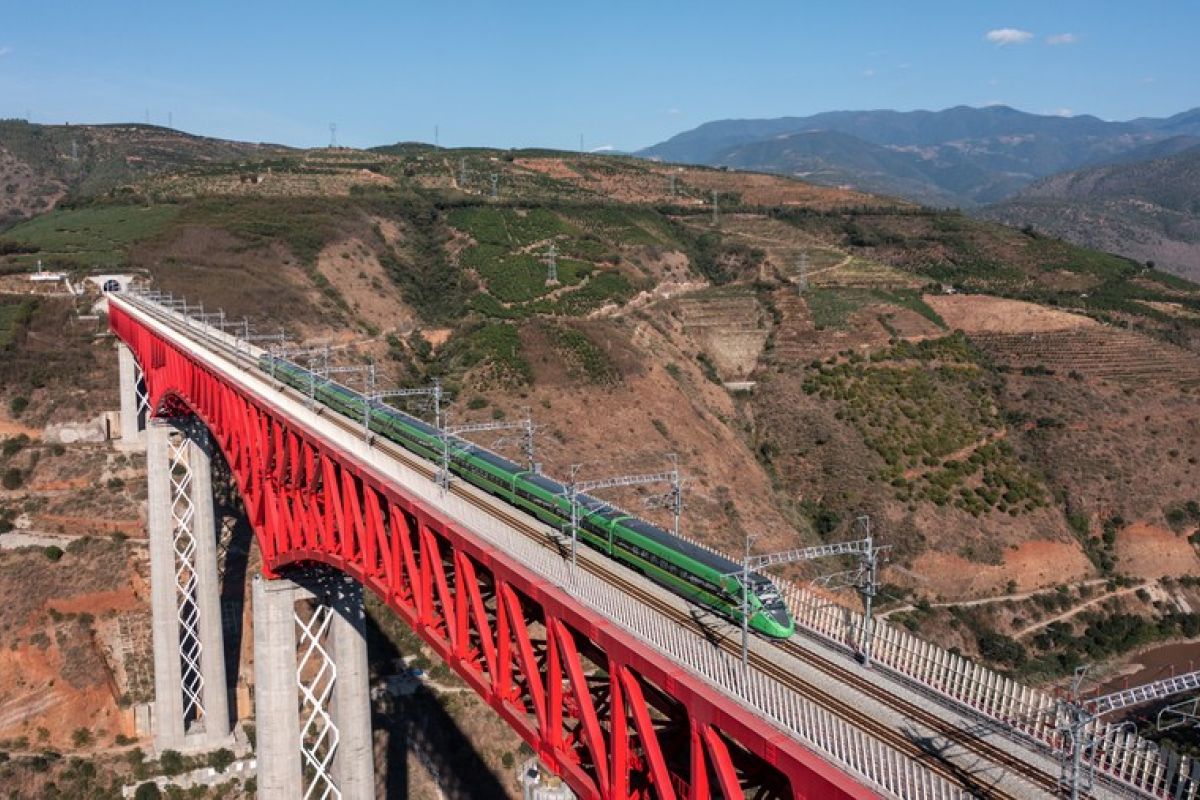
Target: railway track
(905, 744)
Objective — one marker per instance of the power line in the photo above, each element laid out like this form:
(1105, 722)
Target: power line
(576, 487)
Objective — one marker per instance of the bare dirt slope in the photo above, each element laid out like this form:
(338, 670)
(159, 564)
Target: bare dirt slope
(986, 314)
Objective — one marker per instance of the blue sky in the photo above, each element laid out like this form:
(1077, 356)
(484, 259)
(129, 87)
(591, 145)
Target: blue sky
(623, 74)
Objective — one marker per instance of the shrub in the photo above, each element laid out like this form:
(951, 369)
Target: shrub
(148, 791)
(53, 552)
(13, 478)
(220, 759)
(18, 404)
(14, 445)
(171, 762)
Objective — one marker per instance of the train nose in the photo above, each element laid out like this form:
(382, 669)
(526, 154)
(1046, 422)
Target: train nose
(782, 617)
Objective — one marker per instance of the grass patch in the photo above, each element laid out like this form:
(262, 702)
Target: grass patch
(603, 288)
(498, 346)
(832, 307)
(917, 418)
(583, 357)
(508, 227)
(521, 277)
(14, 316)
(305, 225)
(624, 226)
(98, 235)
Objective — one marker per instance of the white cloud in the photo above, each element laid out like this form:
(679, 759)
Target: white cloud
(1007, 36)
(1062, 38)
(5, 50)
(674, 111)
(1063, 112)
(868, 73)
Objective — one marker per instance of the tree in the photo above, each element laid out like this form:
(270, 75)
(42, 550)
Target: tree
(220, 759)
(171, 762)
(148, 791)
(12, 479)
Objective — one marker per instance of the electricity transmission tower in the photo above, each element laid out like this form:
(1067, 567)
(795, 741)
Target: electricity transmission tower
(495, 186)
(802, 272)
(552, 265)
(332, 135)
(716, 213)
(462, 173)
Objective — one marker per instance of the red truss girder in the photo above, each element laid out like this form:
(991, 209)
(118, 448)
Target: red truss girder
(613, 718)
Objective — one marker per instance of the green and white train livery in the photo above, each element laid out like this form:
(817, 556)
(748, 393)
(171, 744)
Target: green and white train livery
(697, 574)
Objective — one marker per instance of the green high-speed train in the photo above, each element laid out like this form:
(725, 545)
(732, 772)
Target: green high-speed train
(697, 574)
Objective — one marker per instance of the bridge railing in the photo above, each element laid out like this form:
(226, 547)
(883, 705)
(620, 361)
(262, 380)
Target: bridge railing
(1116, 751)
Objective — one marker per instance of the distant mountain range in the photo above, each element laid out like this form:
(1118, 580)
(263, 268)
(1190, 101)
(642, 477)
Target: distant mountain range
(961, 156)
(1146, 206)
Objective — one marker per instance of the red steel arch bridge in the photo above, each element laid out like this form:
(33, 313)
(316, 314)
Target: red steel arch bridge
(620, 688)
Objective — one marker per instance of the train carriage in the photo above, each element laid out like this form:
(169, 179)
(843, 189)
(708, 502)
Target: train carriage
(700, 575)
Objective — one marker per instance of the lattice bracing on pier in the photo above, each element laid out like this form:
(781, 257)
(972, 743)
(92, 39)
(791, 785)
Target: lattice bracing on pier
(183, 542)
(316, 674)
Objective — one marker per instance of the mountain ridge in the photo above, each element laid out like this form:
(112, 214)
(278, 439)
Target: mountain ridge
(1146, 209)
(965, 156)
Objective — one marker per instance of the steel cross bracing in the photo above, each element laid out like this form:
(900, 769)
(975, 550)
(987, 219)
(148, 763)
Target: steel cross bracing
(611, 694)
(525, 426)
(1158, 690)
(858, 547)
(186, 602)
(1177, 715)
(139, 391)
(575, 487)
(434, 392)
(316, 674)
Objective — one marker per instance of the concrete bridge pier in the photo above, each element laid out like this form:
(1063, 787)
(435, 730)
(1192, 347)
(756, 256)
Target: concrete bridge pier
(312, 700)
(191, 695)
(135, 409)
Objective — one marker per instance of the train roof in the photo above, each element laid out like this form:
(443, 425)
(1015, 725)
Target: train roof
(595, 506)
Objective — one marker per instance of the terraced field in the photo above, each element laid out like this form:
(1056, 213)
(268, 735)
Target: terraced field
(731, 328)
(1093, 352)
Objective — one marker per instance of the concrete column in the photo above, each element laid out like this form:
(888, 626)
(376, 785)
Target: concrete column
(276, 703)
(215, 696)
(354, 762)
(168, 699)
(127, 369)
